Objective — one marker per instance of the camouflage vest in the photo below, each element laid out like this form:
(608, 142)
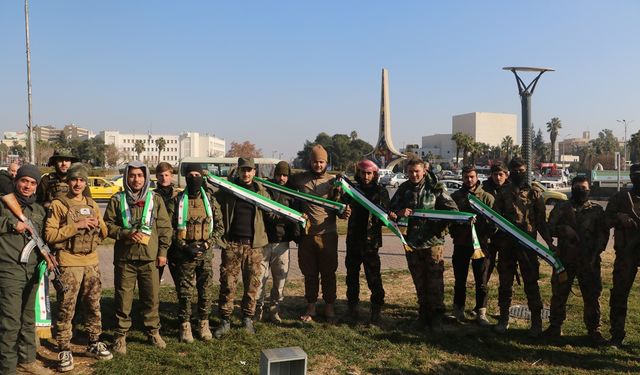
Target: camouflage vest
(198, 221)
(86, 240)
(56, 187)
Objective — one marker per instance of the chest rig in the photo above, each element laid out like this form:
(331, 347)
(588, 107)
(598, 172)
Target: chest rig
(197, 222)
(85, 240)
(56, 188)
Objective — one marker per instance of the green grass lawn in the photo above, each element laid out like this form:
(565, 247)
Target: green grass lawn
(396, 347)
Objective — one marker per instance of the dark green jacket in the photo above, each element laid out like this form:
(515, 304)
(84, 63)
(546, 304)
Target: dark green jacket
(227, 204)
(461, 233)
(12, 243)
(427, 194)
(363, 226)
(160, 231)
(588, 222)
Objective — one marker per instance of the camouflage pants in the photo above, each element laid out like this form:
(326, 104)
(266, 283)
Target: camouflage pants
(194, 274)
(427, 271)
(275, 259)
(625, 268)
(460, 260)
(511, 257)
(362, 253)
(83, 283)
(239, 259)
(590, 286)
(17, 328)
(318, 261)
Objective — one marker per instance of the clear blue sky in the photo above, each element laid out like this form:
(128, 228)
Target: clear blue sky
(279, 72)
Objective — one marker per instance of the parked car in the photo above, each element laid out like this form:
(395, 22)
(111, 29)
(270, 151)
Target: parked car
(550, 197)
(451, 185)
(393, 180)
(101, 188)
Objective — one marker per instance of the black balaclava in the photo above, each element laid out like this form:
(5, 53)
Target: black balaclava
(194, 183)
(579, 195)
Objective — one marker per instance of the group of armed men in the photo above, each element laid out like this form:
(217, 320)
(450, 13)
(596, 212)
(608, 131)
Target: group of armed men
(180, 229)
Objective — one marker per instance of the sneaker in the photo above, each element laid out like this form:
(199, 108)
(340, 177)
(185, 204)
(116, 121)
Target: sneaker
(65, 361)
(120, 345)
(248, 325)
(458, 313)
(99, 351)
(205, 331)
(156, 340)
(222, 329)
(33, 368)
(615, 343)
(185, 333)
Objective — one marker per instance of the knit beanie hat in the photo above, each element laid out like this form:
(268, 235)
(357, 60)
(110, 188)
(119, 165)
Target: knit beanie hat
(319, 153)
(193, 167)
(78, 170)
(282, 168)
(28, 170)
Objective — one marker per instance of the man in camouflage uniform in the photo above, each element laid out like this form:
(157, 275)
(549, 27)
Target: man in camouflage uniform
(280, 232)
(75, 228)
(137, 219)
(493, 185)
(583, 234)
(364, 238)
(318, 249)
(54, 184)
(197, 228)
(622, 214)
(465, 251)
(426, 238)
(242, 243)
(19, 281)
(523, 205)
(166, 190)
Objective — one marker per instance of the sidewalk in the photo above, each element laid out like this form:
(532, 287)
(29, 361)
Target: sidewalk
(391, 256)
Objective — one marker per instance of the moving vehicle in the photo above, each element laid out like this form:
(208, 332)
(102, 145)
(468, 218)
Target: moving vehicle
(102, 189)
(550, 197)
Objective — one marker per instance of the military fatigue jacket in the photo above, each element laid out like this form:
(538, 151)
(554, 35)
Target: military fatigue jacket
(280, 229)
(461, 233)
(524, 207)
(52, 186)
(124, 249)
(427, 194)
(362, 224)
(227, 204)
(588, 222)
(490, 187)
(322, 220)
(626, 202)
(12, 243)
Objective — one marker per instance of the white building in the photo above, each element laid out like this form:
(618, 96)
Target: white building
(190, 144)
(486, 127)
(439, 145)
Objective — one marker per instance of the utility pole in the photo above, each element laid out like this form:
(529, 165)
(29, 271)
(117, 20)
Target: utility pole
(32, 148)
(625, 123)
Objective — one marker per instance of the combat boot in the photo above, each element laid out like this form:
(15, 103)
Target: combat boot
(248, 325)
(596, 337)
(503, 324)
(222, 329)
(120, 345)
(353, 312)
(553, 332)
(205, 331)
(374, 318)
(481, 317)
(274, 314)
(154, 339)
(536, 325)
(185, 333)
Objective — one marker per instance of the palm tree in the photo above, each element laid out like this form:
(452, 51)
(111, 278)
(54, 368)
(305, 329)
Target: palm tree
(552, 128)
(139, 147)
(457, 138)
(160, 143)
(507, 147)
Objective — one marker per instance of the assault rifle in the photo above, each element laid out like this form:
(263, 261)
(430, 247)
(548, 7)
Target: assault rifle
(34, 241)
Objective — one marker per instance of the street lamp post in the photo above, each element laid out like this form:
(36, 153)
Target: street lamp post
(625, 123)
(526, 91)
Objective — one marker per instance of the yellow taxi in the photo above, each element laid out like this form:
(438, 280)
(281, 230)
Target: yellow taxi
(550, 197)
(101, 188)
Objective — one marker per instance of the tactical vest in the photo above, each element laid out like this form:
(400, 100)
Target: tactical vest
(86, 240)
(198, 222)
(56, 188)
